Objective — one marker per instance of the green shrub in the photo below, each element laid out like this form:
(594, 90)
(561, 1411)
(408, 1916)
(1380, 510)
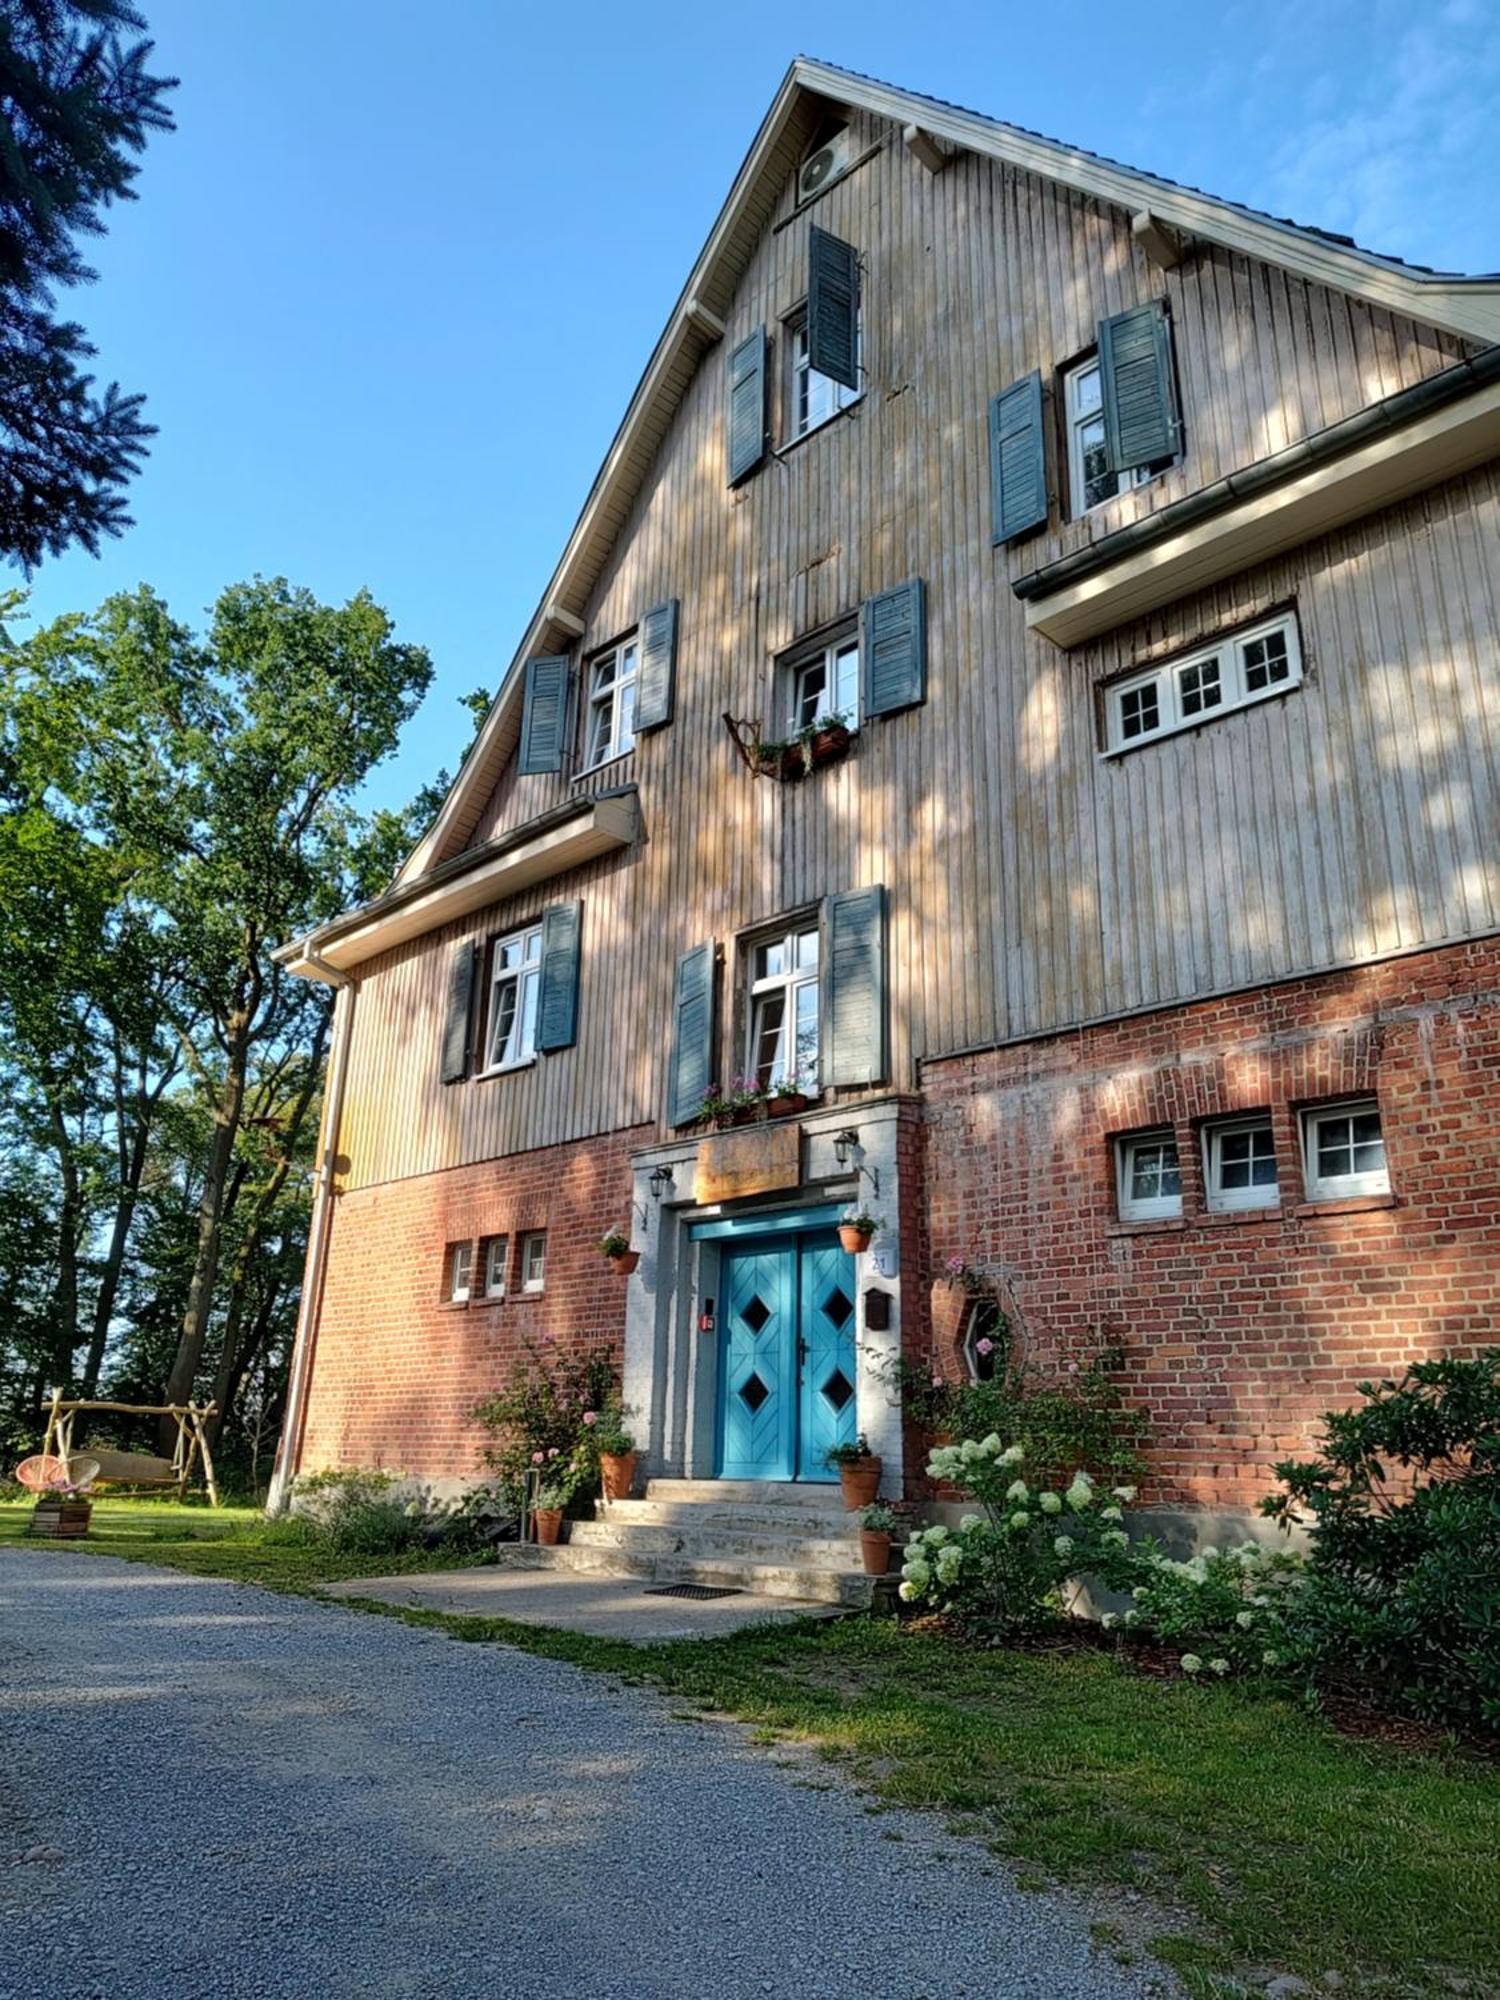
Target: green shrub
(540, 1420)
(1403, 1508)
(1226, 1609)
(349, 1511)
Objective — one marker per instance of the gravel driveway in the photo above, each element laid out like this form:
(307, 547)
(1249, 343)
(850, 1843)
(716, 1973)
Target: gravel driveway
(211, 1790)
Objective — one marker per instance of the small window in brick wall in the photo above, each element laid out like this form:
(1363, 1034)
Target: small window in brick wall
(460, 1268)
(1344, 1151)
(534, 1260)
(984, 1340)
(1239, 1164)
(494, 1252)
(1149, 1180)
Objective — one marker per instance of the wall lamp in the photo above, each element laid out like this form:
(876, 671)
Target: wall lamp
(847, 1142)
(660, 1180)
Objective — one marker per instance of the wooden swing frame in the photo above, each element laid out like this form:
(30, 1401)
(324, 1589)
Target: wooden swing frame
(192, 1440)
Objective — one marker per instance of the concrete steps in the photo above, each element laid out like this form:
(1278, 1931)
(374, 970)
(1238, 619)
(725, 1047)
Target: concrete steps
(780, 1540)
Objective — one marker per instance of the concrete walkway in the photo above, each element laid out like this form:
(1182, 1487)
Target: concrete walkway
(212, 1790)
(609, 1607)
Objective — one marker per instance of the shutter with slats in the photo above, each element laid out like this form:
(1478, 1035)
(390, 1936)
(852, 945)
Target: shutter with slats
(833, 308)
(557, 999)
(458, 1012)
(1018, 459)
(1138, 387)
(692, 1033)
(656, 676)
(746, 416)
(544, 714)
(854, 988)
(893, 649)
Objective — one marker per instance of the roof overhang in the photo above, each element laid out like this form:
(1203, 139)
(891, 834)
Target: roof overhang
(553, 845)
(1469, 307)
(1434, 431)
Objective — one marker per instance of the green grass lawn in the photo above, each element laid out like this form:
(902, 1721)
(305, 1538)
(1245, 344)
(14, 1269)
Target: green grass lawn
(1280, 1844)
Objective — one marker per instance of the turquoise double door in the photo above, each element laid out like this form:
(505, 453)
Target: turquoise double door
(787, 1357)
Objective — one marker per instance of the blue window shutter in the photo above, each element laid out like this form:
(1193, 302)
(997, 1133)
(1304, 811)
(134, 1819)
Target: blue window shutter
(557, 1000)
(692, 1033)
(1138, 387)
(458, 1013)
(854, 988)
(746, 419)
(656, 676)
(833, 308)
(893, 649)
(544, 715)
(1018, 459)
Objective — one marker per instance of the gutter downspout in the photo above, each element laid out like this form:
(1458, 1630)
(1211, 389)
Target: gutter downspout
(290, 1448)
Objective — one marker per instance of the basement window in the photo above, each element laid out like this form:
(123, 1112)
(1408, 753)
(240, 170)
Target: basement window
(1240, 669)
(1343, 1151)
(1149, 1177)
(1239, 1164)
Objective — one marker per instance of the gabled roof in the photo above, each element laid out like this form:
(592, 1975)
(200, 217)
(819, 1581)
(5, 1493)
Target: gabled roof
(1469, 306)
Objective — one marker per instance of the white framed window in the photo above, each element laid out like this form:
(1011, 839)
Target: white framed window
(495, 1251)
(814, 398)
(1243, 668)
(784, 1011)
(824, 683)
(1239, 1164)
(1090, 481)
(515, 976)
(460, 1271)
(1343, 1150)
(611, 707)
(1149, 1177)
(534, 1260)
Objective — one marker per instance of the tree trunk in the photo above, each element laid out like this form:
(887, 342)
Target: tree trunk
(133, 1166)
(69, 1232)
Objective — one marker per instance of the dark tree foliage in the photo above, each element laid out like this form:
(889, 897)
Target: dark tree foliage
(77, 104)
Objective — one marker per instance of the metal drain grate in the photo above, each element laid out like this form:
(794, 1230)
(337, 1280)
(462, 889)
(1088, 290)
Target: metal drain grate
(697, 1590)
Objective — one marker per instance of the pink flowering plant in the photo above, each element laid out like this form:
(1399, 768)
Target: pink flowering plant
(545, 1419)
(1014, 1564)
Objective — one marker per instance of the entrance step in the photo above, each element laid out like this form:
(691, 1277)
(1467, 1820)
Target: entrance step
(829, 1522)
(813, 1496)
(722, 1536)
(851, 1588)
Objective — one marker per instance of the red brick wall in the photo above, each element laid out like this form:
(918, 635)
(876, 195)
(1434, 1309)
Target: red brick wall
(397, 1370)
(1240, 1329)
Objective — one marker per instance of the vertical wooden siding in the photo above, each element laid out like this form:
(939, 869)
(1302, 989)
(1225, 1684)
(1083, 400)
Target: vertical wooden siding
(1032, 883)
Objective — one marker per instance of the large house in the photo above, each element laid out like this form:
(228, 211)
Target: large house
(1133, 942)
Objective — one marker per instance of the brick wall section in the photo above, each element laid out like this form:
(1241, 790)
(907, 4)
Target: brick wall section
(396, 1369)
(1238, 1330)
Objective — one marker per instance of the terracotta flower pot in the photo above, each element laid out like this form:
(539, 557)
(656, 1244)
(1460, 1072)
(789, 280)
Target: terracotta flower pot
(625, 1262)
(861, 1482)
(548, 1521)
(876, 1551)
(855, 1241)
(618, 1471)
(61, 1520)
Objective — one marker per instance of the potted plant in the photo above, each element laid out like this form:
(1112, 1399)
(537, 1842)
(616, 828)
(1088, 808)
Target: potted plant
(548, 1508)
(827, 741)
(876, 1526)
(747, 1098)
(856, 1231)
(63, 1510)
(617, 1453)
(858, 1470)
(616, 1248)
(786, 1098)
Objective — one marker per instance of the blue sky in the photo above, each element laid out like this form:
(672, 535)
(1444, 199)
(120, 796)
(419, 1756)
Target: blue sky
(389, 286)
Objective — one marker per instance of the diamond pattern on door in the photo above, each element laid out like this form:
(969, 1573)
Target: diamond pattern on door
(758, 1361)
(827, 1406)
(756, 1314)
(753, 1393)
(838, 1306)
(838, 1388)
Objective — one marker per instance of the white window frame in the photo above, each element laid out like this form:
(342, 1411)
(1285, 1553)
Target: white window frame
(1225, 1201)
(526, 976)
(1078, 420)
(460, 1273)
(534, 1260)
(493, 1282)
(1174, 710)
(795, 983)
(824, 399)
(614, 696)
(827, 654)
(1145, 1208)
(1341, 1187)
